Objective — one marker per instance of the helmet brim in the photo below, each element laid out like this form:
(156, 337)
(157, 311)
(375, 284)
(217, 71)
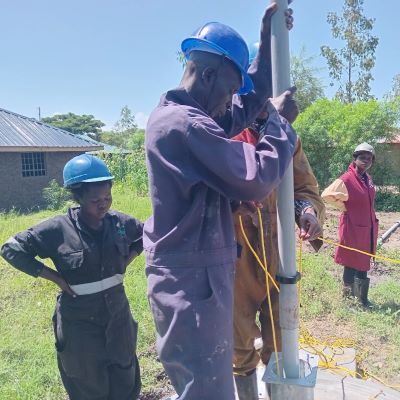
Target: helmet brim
(192, 43)
(357, 153)
(99, 179)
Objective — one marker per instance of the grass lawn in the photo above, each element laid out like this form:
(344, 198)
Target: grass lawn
(28, 368)
(376, 332)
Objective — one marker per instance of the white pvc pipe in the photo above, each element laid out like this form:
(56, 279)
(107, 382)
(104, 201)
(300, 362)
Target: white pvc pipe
(288, 303)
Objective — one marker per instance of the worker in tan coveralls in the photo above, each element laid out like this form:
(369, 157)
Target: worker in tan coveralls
(250, 295)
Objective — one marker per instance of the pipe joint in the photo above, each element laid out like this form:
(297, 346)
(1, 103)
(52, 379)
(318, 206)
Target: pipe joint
(288, 280)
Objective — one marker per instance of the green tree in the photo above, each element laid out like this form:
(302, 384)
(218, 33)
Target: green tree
(136, 141)
(181, 58)
(395, 91)
(126, 124)
(351, 65)
(304, 76)
(76, 124)
(113, 138)
(125, 131)
(330, 130)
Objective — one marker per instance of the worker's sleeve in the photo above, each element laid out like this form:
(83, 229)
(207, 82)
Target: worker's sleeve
(336, 194)
(305, 184)
(300, 207)
(134, 233)
(21, 251)
(243, 113)
(238, 170)
(245, 108)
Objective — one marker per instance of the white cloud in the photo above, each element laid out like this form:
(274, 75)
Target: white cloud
(141, 119)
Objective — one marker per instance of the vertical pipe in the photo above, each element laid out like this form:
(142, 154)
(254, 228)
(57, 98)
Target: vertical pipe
(288, 303)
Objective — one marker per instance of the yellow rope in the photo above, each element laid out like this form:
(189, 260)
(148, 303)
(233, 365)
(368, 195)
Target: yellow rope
(392, 260)
(271, 314)
(300, 269)
(336, 345)
(310, 342)
(307, 341)
(246, 239)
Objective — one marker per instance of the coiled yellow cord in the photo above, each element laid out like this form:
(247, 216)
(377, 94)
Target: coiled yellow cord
(306, 339)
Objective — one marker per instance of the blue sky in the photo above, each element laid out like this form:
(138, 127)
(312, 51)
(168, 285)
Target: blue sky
(95, 56)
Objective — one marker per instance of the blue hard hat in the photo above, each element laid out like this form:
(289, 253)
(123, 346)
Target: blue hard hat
(85, 168)
(218, 38)
(253, 50)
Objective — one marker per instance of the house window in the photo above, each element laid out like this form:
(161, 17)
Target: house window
(33, 164)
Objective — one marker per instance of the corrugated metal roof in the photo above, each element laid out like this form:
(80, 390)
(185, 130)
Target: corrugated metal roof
(17, 131)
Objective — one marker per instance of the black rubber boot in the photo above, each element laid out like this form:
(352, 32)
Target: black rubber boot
(246, 386)
(361, 287)
(348, 290)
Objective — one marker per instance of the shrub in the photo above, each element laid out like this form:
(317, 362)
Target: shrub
(129, 168)
(55, 196)
(387, 200)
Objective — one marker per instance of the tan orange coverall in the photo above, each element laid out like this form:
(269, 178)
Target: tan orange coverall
(250, 295)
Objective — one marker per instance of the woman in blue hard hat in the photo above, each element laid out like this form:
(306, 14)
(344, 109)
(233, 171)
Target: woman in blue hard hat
(90, 246)
(354, 194)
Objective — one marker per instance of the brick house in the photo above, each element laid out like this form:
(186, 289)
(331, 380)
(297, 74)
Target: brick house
(31, 155)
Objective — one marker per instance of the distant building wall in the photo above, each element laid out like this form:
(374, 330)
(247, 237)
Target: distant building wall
(387, 169)
(25, 193)
(393, 156)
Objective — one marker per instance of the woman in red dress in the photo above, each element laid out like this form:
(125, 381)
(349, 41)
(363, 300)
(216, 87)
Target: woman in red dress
(354, 194)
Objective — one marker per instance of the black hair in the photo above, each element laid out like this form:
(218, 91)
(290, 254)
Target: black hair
(79, 189)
